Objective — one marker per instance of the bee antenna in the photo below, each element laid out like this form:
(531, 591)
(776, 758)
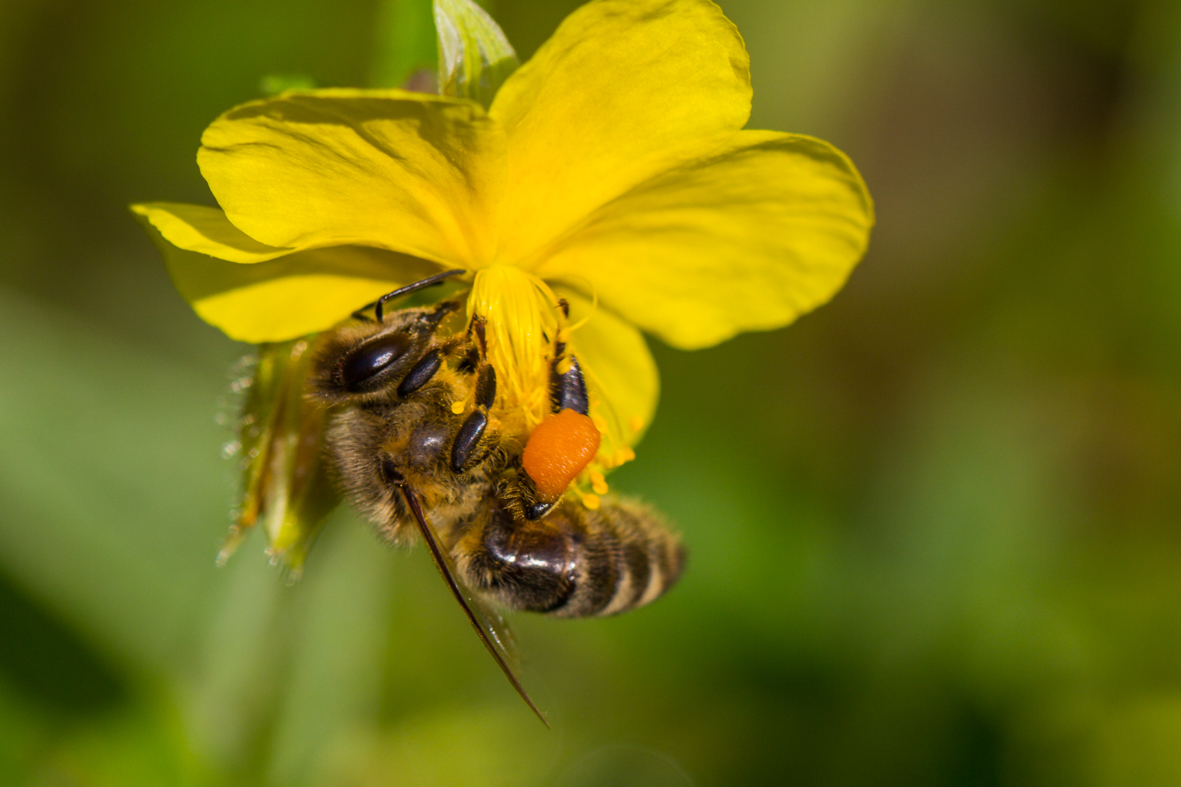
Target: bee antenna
(429, 281)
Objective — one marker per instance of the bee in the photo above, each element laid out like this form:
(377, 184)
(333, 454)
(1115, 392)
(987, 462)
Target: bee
(421, 447)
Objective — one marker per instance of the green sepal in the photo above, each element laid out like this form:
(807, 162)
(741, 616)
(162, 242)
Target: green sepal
(474, 56)
(285, 484)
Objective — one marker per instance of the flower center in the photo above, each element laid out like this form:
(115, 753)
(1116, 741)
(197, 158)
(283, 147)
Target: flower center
(522, 323)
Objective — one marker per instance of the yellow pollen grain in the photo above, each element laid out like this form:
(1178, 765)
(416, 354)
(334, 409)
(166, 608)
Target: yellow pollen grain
(624, 455)
(592, 502)
(458, 407)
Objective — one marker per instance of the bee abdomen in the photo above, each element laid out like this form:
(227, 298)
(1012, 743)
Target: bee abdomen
(625, 557)
(574, 563)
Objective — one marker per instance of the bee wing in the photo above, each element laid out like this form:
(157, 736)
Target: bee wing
(490, 627)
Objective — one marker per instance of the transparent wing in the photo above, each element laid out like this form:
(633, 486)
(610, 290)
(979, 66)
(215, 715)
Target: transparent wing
(491, 628)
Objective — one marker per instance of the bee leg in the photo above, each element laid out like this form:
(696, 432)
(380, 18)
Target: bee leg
(421, 374)
(470, 444)
(567, 392)
(463, 450)
(567, 386)
(486, 387)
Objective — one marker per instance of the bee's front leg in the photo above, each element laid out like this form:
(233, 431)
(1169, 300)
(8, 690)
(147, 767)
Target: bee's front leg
(474, 441)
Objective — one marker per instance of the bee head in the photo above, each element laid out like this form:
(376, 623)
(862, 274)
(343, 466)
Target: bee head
(365, 361)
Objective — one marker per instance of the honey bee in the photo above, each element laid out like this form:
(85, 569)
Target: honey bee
(419, 445)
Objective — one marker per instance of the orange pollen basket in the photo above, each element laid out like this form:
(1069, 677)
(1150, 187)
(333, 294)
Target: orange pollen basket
(558, 450)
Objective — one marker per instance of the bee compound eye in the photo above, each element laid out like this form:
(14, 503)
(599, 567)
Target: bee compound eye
(372, 358)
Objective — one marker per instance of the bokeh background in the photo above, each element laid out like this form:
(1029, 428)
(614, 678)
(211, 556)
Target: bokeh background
(934, 526)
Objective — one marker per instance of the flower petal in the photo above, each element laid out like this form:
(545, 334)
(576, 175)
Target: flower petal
(290, 296)
(205, 230)
(623, 90)
(618, 368)
(764, 230)
(404, 171)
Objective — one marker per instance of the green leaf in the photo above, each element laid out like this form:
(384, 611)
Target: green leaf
(474, 56)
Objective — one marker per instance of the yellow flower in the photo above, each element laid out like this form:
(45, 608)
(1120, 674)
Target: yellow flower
(610, 170)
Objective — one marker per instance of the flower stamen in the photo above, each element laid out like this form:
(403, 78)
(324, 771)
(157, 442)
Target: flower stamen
(522, 316)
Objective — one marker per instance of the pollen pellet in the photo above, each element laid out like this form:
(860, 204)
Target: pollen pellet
(559, 448)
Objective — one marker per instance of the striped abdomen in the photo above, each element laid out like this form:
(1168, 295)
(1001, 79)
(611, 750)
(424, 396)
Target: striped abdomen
(574, 563)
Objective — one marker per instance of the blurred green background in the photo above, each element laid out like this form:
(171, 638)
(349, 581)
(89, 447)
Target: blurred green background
(934, 527)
